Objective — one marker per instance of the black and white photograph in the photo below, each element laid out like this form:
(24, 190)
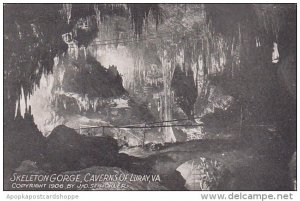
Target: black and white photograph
(149, 96)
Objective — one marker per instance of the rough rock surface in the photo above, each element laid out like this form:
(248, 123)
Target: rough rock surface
(67, 150)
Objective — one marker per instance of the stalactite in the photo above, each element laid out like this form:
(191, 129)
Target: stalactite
(67, 10)
(168, 70)
(188, 37)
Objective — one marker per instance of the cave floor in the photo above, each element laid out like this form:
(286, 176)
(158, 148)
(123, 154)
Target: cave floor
(256, 160)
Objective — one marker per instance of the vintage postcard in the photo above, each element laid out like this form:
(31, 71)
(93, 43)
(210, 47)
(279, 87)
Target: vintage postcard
(149, 97)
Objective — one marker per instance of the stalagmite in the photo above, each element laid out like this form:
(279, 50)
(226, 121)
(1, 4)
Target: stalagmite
(275, 54)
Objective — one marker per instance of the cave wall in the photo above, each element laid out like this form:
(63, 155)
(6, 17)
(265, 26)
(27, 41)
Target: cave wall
(223, 47)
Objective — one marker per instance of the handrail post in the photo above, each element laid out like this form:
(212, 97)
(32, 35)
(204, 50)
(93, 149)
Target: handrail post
(144, 135)
(241, 123)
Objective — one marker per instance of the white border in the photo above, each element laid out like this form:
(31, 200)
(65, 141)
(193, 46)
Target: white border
(136, 195)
